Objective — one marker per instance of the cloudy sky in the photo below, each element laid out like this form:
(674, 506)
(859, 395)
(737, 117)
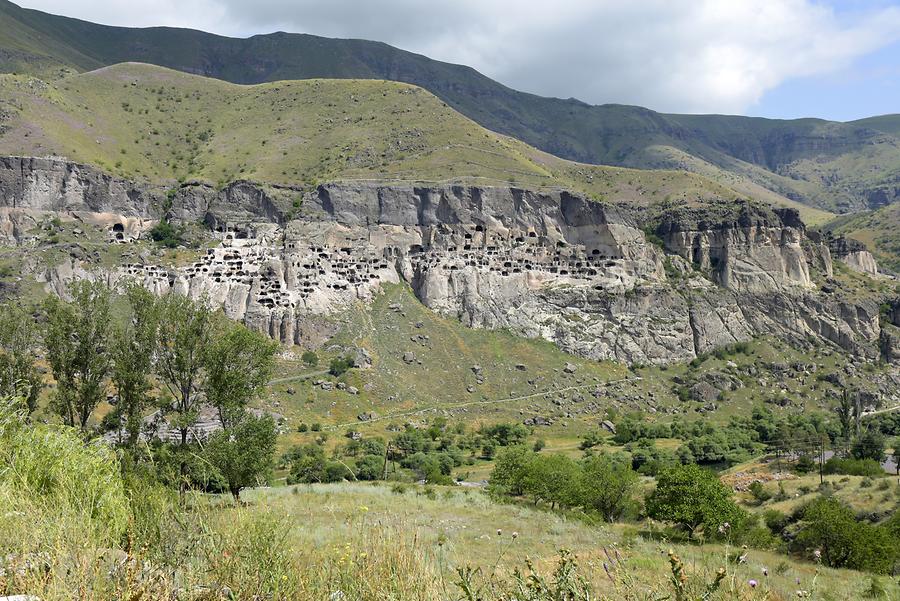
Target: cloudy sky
(837, 59)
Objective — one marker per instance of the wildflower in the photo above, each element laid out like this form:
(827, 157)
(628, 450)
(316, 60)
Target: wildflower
(765, 571)
(499, 532)
(752, 583)
(817, 554)
(515, 535)
(742, 558)
(724, 528)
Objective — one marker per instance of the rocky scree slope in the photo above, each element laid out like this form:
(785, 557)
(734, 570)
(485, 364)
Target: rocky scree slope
(641, 284)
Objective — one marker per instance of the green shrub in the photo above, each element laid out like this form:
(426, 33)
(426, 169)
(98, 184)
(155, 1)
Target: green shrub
(805, 465)
(759, 492)
(775, 521)
(165, 234)
(310, 358)
(340, 365)
(830, 528)
(693, 497)
(853, 467)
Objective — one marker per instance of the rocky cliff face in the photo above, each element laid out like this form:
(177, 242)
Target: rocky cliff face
(606, 282)
(854, 254)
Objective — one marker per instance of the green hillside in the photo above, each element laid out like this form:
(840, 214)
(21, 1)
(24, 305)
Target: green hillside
(889, 124)
(158, 125)
(829, 165)
(879, 230)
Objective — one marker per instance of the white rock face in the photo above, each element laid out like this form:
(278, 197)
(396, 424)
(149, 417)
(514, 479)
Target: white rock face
(853, 254)
(550, 265)
(862, 261)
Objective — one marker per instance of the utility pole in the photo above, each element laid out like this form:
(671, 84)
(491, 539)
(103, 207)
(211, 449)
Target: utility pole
(778, 458)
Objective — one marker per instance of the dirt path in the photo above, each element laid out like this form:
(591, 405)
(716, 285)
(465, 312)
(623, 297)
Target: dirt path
(310, 374)
(473, 403)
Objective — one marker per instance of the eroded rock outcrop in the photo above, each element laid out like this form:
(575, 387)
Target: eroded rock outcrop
(600, 280)
(854, 254)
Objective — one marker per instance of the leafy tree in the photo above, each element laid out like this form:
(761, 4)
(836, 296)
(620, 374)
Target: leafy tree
(409, 442)
(77, 341)
(692, 497)
(607, 486)
(508, 475)
(591, 440)
(186, 331)
(505, 435)
(19, 377)
(649, 460)
(243, 454)
(370, 467)
(552, 478)
(488, 451)
(133, 353)
(831, 528)
(238, 365)
(434, 468)
(849, 412)
(308, 464)
(869, 445)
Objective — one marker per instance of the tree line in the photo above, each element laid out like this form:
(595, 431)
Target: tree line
(147, 353)
(697, 504)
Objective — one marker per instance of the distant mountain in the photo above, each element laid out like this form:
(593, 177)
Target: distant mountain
(836, 166)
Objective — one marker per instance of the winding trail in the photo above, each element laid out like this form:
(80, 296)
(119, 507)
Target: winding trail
(472, 403)
(298, 377)
(879, 411)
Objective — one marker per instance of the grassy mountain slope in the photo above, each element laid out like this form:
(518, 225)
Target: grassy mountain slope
(889, 124)
(879, 230)
(151, 123)
(808, 160)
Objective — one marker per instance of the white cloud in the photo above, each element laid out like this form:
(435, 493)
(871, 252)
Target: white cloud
(680, 56)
